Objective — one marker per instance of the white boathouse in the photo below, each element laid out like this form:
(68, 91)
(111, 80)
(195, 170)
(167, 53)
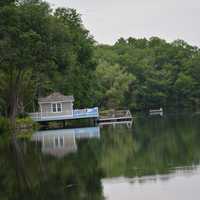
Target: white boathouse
(57, 107)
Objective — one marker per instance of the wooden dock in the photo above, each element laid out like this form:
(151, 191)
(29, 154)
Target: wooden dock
(106, 117)
(88, 113)
(115, 116)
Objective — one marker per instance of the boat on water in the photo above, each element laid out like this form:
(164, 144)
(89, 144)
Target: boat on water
(156, 112)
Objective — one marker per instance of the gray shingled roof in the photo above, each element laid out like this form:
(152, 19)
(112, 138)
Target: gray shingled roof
(56, 96)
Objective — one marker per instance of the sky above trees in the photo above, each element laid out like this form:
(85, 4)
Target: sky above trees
(110, 20)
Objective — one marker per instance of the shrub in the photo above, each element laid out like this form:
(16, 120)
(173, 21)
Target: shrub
(4, 125)
(25, 123)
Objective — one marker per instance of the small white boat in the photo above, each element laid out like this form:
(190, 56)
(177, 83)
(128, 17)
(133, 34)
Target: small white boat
(156, 112)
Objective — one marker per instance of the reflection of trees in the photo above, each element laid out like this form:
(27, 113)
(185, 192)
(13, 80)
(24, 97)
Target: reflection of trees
(156, 146)
(166, 143)
(27, 174)
(117, 149)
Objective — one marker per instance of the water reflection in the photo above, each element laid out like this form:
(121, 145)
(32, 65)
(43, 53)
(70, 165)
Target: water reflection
(183, 184)
(164, 164)
(179, 171)
(128, 124)
(119, 162)
(62, 142)
(28, 173)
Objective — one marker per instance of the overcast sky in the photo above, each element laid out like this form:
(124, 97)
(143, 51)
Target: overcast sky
(108, 20)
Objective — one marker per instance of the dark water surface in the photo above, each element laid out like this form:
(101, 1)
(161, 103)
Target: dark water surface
(156, 159)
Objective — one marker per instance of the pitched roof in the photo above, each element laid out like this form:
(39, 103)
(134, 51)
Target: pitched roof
(56, 96)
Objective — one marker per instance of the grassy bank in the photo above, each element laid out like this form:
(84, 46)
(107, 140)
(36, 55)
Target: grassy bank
(24, 127)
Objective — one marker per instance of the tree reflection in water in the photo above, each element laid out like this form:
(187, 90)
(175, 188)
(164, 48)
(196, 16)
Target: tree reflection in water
(26, 173)
(154, 146)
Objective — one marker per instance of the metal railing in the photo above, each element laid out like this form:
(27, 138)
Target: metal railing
(88, 112)
(116, 114)
(35, 116)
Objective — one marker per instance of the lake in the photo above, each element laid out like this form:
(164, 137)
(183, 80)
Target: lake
(154, 158)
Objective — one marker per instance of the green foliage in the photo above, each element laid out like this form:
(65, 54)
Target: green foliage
(44, 51)
(25, 122)
(113, 83)
(25, 127)
(166, 74)
(6, 2)
(4, 126)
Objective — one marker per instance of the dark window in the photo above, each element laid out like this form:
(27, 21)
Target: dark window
(59, 107)
(54, 107)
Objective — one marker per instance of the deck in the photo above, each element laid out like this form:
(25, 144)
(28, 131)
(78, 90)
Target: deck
(77, 114)
(115, 116)
(109, 116)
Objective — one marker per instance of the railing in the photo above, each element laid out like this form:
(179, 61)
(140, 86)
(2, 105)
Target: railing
(115, 114)
(86, 112)
(78, 113)
(35, 116)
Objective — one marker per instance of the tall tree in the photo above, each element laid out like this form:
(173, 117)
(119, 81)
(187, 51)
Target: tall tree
(113, 83)
(43, 51)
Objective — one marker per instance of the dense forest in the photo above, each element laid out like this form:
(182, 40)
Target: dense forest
(157, 73)
(44, 50)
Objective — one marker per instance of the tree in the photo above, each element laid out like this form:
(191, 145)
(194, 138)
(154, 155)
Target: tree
(113, 83)
(6, 2)
(78, 63)
(23, 49)
(43, 52)
(163, 71)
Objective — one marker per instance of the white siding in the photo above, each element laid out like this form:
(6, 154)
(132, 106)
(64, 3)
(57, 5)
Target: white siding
(46, 109)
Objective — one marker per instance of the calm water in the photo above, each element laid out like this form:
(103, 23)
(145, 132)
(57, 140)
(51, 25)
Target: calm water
(157, 158)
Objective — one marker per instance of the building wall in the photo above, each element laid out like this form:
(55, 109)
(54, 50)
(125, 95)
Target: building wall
(67, 107)
(46, 109)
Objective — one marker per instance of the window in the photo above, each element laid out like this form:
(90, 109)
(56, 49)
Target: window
(59, 107)
(56, 107)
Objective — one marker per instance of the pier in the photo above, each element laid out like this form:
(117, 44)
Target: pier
(88, 113)
(58, 107)
(115, 116)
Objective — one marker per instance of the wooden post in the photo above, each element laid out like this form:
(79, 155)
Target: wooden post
(94, 121)
(63, 123)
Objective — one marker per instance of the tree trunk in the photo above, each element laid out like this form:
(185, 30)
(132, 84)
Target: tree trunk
(13, 101)
(13, 110)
